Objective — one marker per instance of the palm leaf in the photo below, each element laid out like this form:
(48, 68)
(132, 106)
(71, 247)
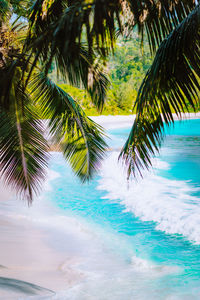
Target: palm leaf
(171, 85)
(76, 65)
(53, 36)
(71, 18)
(81, 69)
(97, 20)
(158, 18)
(74, 33)
(23, 157)
(81, 139)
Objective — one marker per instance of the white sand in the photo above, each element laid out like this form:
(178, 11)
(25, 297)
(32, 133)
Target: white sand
(111, 122)
(32, 255)
(36, 258)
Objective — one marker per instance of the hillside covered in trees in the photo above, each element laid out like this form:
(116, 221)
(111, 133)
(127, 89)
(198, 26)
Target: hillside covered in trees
(126, 69)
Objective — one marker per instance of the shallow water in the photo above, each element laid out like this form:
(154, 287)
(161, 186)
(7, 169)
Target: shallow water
(143, 237)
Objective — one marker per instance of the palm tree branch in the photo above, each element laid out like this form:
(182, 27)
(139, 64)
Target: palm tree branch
(81, 139)
(23, 149)
(171, 85)
(21, 145)
(102, 19)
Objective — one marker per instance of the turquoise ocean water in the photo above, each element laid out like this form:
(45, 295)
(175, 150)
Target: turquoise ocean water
(144, 235)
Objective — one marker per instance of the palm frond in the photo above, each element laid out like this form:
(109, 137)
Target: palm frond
(23, 156)
(158, 18)
(97, 21)
(74, 33)
(81, 139)
(76, 64)
(171, 85)
(55, 35)
(81, 69)
(93, 19)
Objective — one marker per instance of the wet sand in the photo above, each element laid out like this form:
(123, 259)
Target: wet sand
(35, 258)
(31, 263)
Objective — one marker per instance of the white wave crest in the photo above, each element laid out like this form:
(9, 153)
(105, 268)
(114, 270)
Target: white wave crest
(167, 202)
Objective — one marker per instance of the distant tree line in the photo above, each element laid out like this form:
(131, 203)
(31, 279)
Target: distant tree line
(126, 69)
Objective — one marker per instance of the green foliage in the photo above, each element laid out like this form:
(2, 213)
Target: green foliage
(3, 7)
(80, 138)
(126, 68)
(23, 154)
(68, 25)
(172, 84)
(26, 94)
(77, 38)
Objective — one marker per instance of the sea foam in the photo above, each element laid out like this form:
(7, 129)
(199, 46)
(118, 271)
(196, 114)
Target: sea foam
(168, 203)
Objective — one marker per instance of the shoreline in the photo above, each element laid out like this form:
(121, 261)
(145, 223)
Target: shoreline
(39, 257)
(122, 121)
(33, 260)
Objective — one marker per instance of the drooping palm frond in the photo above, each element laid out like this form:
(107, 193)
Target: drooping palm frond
(158, 18)
(74, 33)
(75, 64)
(171, 85)
(81, 139)
(53, 37)
(97, 20)
(23, 149)
(80, 68)
(92, 21)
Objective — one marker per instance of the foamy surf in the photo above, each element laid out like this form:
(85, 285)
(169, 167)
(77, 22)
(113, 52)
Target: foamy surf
(117, 280)
(104, 251)
(167, 202)
(103, 273)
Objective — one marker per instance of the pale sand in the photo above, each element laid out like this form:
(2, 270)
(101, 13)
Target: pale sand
(118, 121)
(35, 259)
(124, 121)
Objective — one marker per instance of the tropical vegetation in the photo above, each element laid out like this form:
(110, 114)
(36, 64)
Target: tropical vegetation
(126, 68)
(77, 38)
(27, 95)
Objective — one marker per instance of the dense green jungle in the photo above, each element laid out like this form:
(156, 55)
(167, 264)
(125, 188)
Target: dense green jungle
(126, 69)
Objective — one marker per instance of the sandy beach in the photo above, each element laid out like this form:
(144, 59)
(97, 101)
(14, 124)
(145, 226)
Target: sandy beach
(31, 263)
(35, 257)
(38, 256)
(110, 122)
